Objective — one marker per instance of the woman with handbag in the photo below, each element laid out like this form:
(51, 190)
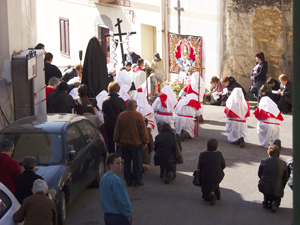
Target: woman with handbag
(211, 165)
(259, 73)
(167, 152)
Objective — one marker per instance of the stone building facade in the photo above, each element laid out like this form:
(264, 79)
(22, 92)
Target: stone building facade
(250, 26)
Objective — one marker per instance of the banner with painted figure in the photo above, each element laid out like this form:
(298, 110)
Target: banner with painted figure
(185, 53)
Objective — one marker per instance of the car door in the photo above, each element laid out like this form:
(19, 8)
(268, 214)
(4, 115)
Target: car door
(79, 167)
(92, 147)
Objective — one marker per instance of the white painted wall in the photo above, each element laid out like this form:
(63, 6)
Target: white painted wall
(17, 29)
(82, 15)
(201, 18)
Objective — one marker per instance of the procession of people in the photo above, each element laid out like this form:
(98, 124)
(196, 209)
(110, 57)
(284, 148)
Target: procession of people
(137, 129)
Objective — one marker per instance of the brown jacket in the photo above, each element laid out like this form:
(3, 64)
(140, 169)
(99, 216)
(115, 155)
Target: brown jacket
(37, 209)
(131, 130)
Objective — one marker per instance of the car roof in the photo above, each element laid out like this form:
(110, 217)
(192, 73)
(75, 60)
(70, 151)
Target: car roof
(44, 123)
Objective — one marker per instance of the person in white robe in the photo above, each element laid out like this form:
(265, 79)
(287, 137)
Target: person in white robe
(193, 87)
(100, 98)
(163, 106)
(185, 110)
(138, 75)
(74, 92)
(237, 111)
(268, 126)
(124, 79)
(124, 93)
(147, 111)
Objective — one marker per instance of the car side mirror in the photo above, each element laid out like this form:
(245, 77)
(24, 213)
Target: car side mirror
(72, 155)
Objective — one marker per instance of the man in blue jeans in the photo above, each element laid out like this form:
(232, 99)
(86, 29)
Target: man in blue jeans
(131, 133)
(259, 73)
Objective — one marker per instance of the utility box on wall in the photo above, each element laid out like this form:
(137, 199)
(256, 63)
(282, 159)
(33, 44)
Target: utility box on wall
(28, 83)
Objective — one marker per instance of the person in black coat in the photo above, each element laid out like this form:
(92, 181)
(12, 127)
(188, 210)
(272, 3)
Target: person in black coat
(133, 57)
(164, 148)
(112, 106)
(50, 70)
(264, 92)
(275, 86)
(59, 101)
(259, 73)
(211, 165)
(285, 104)
(289, 163)
(24, 181)
(273, 174)
(230, 84)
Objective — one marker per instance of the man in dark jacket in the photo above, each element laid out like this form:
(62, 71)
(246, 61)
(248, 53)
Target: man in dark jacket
(273, 174)
(59, 101)
(230, 84)
(112, 106)
(50, 70)
(275, 86)
(164, 148)
(25, 180)
(211, 165)
(285, 104)
(131, 133)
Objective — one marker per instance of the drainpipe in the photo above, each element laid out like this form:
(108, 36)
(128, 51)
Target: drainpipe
(284, 41)
(165, 42)
(296, 112)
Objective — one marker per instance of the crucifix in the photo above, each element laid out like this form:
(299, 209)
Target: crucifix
(178, 9)
(118, 24)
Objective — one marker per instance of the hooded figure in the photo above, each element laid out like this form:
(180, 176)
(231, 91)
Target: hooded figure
(186, 109)
(100, 98)
(237, 110)
(146, 110)
(268, 127)
(193, 88)
(123, 93)
(163, 106)
(94, 74)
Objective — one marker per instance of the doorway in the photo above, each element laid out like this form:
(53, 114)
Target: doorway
(104, 41)
(148, 42)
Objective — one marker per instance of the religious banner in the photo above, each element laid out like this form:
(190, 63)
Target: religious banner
(185, 53)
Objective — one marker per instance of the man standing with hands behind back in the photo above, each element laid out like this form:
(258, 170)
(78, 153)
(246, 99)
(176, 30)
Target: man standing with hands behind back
(131, 133)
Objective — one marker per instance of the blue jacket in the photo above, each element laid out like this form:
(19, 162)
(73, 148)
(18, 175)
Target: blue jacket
(114, 197)
(261, 71)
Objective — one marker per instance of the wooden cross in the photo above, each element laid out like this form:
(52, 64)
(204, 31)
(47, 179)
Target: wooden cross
(178, 9)
(120, 38)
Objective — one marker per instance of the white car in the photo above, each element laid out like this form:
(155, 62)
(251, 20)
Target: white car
(8, 206)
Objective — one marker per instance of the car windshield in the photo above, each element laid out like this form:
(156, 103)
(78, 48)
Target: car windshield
(45, 147)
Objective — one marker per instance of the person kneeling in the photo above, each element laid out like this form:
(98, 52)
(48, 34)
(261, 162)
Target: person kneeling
(211, 165)
(273, 175)
(164, 149)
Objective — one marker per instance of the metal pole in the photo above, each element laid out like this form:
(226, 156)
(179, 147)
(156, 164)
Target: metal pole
(284, 40)
(296, 112)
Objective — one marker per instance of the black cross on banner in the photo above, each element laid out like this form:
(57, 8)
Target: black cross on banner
(120, 38)
(178, 9)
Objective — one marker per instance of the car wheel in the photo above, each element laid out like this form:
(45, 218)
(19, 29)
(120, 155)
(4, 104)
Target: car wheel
(62, 209)
(100, 172)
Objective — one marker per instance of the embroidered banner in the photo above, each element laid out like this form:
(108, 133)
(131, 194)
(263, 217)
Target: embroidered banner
(185, 53)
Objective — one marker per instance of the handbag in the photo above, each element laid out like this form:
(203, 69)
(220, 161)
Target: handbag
(252, 89)
(197, 175)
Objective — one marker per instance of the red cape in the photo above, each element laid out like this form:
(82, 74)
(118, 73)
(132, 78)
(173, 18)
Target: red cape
(163, 98)
(188, 89)
(263, 115)
(231, 114)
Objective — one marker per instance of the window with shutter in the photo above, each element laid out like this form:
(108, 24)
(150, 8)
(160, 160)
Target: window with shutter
(64, 36)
